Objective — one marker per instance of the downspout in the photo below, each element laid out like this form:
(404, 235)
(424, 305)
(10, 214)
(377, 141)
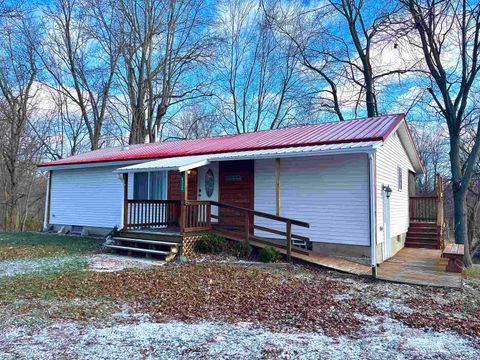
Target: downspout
(45, 215)
(371, 166)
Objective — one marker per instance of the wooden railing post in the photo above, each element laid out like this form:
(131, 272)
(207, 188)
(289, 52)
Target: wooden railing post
(209, 215)
(440, 209)
(183, 216)
(289, 240)
(125, 201)
(247, 226)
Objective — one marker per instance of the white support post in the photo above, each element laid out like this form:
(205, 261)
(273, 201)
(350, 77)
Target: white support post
(372, 192)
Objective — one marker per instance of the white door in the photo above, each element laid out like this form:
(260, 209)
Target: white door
(386, 226)
(208, 184)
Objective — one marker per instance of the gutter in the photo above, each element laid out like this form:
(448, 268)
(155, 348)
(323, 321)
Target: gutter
(372, 191)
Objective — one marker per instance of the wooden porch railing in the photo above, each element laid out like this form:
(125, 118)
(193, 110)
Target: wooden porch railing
(151, 213)
(430, 209)
(195, 216)
(423, 208)
(239, 222)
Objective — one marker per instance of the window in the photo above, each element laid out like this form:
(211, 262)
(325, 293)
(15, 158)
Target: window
(400, 178)
(140, 186)
(157, 185)
(149, 185)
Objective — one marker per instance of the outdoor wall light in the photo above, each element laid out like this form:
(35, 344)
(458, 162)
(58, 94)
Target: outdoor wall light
(388, 190)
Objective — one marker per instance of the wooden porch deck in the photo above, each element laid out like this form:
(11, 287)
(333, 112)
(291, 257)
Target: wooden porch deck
(419, 267)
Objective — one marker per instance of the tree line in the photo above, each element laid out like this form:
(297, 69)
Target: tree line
(78, 75)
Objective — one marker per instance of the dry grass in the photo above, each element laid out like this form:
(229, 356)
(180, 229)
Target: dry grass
(277, 299)
(36, 245)
(473, 272)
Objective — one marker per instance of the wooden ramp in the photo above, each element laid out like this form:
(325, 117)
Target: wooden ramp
(308, 256)
(419, 267)
(409, 266)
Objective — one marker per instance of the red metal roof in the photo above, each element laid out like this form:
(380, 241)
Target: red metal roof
(356, 130)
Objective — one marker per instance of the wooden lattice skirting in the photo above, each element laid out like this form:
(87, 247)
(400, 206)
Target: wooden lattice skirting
(188, 246)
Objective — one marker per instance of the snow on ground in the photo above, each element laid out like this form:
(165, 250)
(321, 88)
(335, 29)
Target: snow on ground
(382, 339)
(31, 266)
(57, 264)
(109, 262)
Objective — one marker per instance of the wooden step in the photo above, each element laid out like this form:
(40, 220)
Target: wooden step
(421, 237)
(154, 236)
(422, 231)
(143, 241)
(419, 225)
(415, 244)
(136, 249)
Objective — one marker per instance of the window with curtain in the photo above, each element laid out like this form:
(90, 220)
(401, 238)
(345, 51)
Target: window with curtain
(149, 185)
(140, 186)
(157, 185)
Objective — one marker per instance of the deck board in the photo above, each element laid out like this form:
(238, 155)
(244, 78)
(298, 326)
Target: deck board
(419, 267)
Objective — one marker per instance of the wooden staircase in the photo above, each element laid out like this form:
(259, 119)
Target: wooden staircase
(160, 245)
(424, 234)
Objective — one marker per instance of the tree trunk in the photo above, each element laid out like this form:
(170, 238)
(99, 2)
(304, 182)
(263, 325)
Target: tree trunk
(460, 221)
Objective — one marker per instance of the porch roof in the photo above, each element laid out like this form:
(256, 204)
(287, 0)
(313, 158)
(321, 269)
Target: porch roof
(184, 163)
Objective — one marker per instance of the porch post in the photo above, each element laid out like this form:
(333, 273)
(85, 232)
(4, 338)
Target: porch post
(373, 213)
(277, 186)
(125, 200)
(183, 208)
(185, 195)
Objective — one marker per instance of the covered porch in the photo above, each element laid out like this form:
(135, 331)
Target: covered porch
(185, 213)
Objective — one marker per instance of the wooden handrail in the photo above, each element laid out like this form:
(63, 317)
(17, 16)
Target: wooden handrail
(424, 197)
(263, 214)
(248, 215)
(135, 201)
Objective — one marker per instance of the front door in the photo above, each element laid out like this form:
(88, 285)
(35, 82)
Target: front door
(236, 180)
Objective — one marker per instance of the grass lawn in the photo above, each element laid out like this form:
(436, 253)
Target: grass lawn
(36, 245)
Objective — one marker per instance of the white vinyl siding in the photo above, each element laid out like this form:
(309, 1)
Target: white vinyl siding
(389, 158)
(328, 192)
(87, 197)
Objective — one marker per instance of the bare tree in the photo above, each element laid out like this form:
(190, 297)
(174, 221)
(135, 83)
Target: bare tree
(257, 75)
(431, 141)
(452, 26)
(164, 42)
(80, 52)
(342, 41)
(18, 70)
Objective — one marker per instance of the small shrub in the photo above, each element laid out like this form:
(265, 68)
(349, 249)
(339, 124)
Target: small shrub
(242, 249)
(269, 254)
(473, 272)
(211, 244)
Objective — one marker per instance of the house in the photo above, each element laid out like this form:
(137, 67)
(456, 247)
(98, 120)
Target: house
(335, 187)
